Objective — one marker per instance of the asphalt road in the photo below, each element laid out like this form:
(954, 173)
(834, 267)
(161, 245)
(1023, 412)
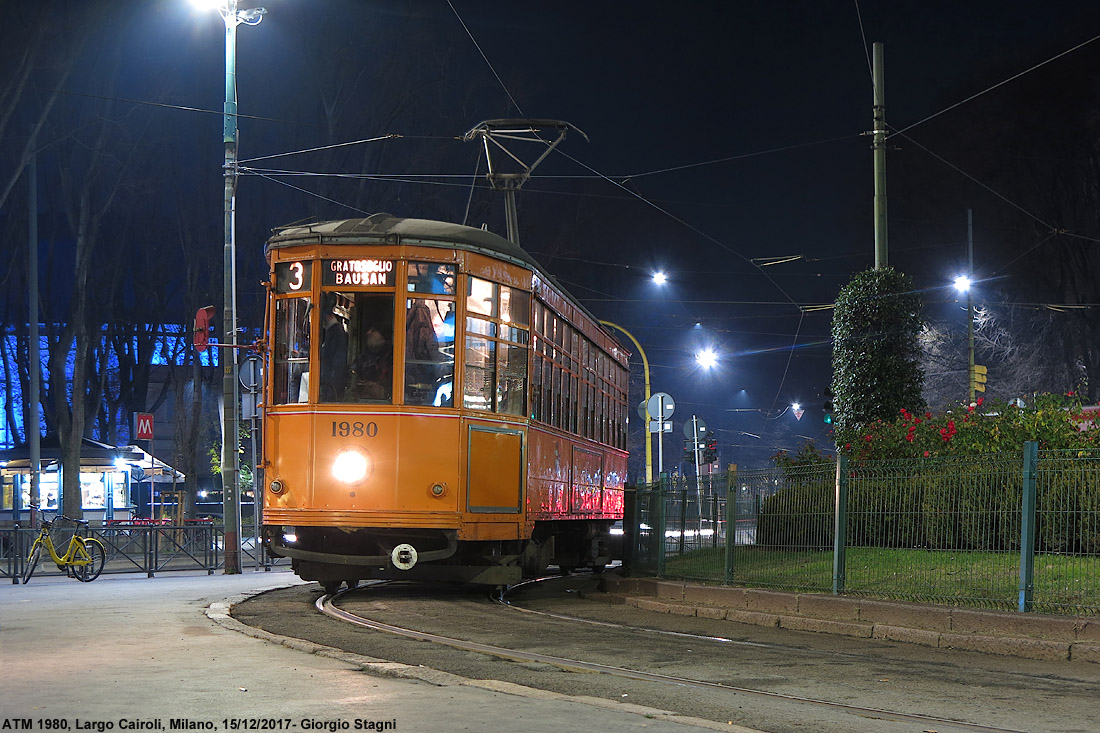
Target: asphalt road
(857, 676)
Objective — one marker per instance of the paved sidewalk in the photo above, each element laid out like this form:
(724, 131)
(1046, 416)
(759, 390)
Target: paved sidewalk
(134, 653)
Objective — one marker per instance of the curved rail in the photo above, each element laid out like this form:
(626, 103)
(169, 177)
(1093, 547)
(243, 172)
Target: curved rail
(325, 605)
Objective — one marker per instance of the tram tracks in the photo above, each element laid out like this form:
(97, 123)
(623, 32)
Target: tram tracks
(327, 605)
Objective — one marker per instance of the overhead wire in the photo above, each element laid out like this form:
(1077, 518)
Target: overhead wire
(311, 193)
(485, 58)
(741, 156)
(998, 84)
(391, 136)
(638, 195)
(903, 133)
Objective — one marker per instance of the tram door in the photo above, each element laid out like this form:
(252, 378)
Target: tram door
(495, 466)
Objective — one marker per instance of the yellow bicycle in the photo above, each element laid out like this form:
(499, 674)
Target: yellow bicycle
(84, 558)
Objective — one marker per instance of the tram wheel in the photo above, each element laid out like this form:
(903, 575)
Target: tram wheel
(331, 586)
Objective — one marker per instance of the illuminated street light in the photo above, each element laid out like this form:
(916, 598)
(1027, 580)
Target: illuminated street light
(706, 358)
(962, 284)
(231, 501)
(659, 278)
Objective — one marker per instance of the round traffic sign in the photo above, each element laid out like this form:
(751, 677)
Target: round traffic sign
(660, 406)
(250, 372)
(700, 428)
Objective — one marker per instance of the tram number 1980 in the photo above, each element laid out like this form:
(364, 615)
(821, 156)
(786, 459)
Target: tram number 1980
(344, 429)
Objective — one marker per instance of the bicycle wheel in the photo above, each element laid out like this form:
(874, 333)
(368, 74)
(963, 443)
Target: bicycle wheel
(98, 556)
(32, 561)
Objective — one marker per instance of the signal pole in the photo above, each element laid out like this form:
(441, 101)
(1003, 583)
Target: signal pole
(879, 146)
(231, 498)
(970, 303)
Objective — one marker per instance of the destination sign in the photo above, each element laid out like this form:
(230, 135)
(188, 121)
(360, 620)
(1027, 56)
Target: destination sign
(356, 272)
(293, 277)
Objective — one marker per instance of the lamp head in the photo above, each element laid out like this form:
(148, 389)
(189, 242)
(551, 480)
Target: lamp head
(706, 358)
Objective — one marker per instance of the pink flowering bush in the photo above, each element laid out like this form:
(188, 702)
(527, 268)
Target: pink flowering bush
(985, 427)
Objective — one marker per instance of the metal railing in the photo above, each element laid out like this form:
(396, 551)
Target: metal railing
(141, 548)
(1005, 531)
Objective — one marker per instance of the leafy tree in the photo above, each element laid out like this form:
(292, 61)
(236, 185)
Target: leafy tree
(876, 354)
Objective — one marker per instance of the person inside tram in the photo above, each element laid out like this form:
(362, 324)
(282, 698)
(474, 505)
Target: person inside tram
(334, 356)
(374, 367)
(422, 355)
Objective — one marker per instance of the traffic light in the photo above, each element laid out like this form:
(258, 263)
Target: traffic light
(202, 328)
(978, 377)
(828, 407)
(689, 451)
(710, 448)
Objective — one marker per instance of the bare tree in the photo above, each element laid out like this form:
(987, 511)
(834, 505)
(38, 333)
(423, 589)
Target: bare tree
(1014, 341)
(93, 159)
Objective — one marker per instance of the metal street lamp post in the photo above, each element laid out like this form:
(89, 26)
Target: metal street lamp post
(964, 283)
(231, 499)
(645, 371)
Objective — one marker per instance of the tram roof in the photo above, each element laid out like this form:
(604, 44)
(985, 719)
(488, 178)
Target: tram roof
(391, 229)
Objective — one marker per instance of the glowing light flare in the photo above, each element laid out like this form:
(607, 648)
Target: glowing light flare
(350, 466)
(660, 278)
(706, 358)
(962, 283)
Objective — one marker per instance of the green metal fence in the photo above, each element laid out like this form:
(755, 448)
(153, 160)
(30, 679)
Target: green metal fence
(1006, 531)
(139, 548)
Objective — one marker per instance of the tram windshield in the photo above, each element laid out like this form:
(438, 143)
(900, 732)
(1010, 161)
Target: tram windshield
(355, 342)
(356, 349)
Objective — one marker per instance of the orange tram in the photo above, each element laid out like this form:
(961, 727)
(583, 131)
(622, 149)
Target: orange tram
(436, 407)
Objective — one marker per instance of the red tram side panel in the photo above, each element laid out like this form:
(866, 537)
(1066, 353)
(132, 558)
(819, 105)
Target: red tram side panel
(436, 408)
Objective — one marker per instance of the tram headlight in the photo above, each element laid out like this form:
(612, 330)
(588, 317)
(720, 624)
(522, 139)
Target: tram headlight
(350, 466)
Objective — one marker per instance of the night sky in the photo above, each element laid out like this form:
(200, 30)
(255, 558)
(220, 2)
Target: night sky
(719, 133)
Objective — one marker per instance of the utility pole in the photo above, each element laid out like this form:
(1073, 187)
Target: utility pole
(33, 430)
(695, 430)
(231, 499)
(970, 303)
(879, 147)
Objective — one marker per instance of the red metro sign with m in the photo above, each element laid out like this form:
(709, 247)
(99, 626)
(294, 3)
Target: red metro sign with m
(143, 426)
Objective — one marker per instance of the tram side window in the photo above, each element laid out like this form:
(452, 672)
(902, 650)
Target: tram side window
(431, 277)
(480, 357)
(536, 387)
(497, 340)
(430, 335)
(356, 347)
(429, 352)
(290, 372)
(512, 380)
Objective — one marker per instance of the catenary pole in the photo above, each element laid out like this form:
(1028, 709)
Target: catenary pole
(970, 302)
(231, 500)
(879, 147)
